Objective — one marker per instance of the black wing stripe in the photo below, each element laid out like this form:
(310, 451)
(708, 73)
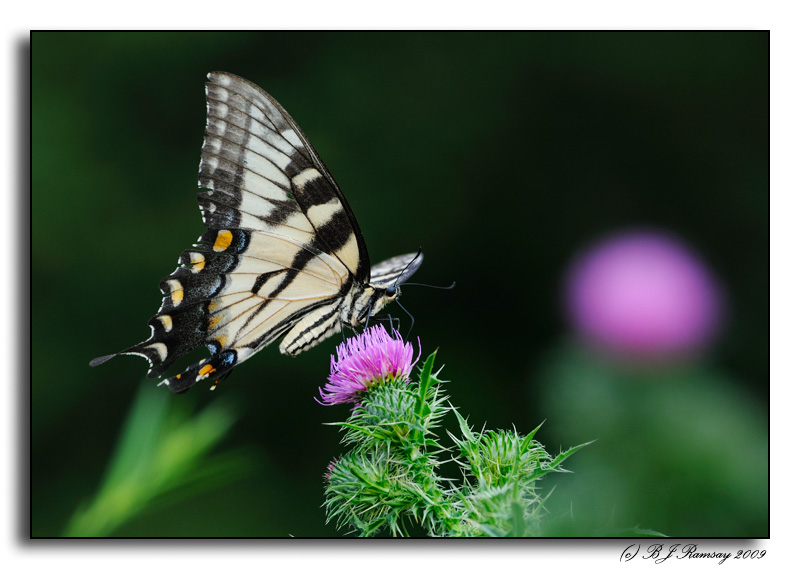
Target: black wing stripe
(320, 323)
(257, 163)
(232, 205)
(285, 252)
(260, 214)
(229, 124)
(254, 329)
(253, 213)
(222, 174)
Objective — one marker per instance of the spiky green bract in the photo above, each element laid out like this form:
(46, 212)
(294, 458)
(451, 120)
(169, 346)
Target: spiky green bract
(501, 497)
(369, 490)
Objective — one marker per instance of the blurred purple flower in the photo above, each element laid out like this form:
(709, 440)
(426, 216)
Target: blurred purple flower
(643, 294)
(365, 360)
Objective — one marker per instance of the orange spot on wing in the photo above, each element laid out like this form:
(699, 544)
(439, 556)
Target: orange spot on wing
(208, 368)
(198, 261)
(166, 321)
(224, 238)
(177, 296)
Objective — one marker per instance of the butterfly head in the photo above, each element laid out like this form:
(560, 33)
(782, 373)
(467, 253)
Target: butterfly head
(368, 301)
(383, 288)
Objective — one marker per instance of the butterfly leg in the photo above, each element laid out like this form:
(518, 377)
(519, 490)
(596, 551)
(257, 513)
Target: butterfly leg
(390, 319)
(366, 320)
(409, 315)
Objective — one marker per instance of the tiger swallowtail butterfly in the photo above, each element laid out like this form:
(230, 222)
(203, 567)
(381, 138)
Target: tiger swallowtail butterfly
(282, 254)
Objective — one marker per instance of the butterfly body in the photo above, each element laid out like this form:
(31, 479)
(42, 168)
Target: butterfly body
(282, 255)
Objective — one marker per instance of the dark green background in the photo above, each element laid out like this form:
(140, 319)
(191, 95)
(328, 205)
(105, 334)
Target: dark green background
(501, 154)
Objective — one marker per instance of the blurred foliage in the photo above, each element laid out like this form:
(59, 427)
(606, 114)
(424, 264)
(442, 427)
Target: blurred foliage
(680, 448)
(500, 154)
(161, 450)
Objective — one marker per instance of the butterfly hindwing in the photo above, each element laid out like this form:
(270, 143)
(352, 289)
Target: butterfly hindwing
(396, 270)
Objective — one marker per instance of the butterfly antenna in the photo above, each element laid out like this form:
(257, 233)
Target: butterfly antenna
(449, 287)
(411, 262)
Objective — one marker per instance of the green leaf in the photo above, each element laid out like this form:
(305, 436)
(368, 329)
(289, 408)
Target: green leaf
(425, 382)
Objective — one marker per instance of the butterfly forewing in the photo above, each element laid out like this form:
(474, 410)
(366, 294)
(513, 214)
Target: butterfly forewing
(257, 155)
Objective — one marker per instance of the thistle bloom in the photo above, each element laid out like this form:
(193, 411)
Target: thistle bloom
(366, 360)
(643, 294)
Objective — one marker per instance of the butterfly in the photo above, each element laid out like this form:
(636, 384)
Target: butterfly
(282, 254)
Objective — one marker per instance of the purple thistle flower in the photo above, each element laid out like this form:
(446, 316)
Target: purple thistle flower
(643, 294)
(366, 360)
